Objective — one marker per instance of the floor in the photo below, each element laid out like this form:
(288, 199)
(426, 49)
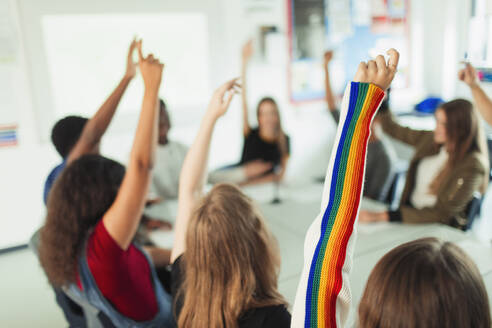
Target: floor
(31, 303)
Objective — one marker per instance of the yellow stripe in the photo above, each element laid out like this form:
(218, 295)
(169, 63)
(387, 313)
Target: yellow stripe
(341, 224)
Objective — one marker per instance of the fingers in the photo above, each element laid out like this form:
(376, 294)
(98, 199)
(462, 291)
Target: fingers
(380, 62)
(372, 67)
(229, 99)
(139, 48)
(461, 74)
(227, 86)
(361, 73)
(394, 57)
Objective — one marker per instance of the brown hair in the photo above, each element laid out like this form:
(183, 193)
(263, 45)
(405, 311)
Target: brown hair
(281, 137)
(425, 283)
(464, 136)
(76, 203)
(231, 262)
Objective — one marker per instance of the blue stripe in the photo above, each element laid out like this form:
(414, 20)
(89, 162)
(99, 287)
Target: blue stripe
(309, 296)
(8, 138)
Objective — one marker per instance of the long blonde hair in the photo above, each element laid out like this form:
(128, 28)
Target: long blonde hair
(231, 262)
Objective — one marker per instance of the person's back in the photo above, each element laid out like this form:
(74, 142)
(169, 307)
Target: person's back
(225, 261)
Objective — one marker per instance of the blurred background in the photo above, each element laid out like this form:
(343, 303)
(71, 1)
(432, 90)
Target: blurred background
(60, 57)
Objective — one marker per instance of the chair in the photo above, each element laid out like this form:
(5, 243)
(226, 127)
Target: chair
(489, 145)
(473, 209)
(396, 188)
(78, 313)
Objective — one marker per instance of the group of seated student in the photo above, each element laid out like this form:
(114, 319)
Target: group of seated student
(266, 148)
(380, 155)
(224, 261)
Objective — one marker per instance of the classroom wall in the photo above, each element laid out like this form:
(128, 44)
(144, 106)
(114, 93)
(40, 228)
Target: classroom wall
(231, 22)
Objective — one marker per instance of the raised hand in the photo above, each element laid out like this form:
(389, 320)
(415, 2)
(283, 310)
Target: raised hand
(222, 97)
(328, 56)
(378, 71)
(131, 65)
(468, 75)
(248, 51)
(150, 68)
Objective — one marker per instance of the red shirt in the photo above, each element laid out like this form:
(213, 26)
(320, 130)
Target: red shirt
(123, 277)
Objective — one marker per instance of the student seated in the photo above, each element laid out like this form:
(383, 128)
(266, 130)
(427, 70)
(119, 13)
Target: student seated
(73, 137)
(225, 261)
(170, 156)
(266, 148)
(449, 165)
(425, 283)
(483, 102)
(94, 210)
(380, 155)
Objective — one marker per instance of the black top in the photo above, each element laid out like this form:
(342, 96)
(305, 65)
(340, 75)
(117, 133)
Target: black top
(256, 148)
(275, 316)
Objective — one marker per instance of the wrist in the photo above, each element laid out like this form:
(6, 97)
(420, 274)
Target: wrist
(474, 85)
(152, 89)
(128, 77)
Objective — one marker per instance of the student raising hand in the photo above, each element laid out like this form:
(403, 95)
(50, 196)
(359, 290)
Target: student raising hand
(122, 219)
(194, 166)
(482, 101)
(323, 294)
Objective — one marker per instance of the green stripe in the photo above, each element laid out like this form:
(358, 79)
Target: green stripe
(363, 90)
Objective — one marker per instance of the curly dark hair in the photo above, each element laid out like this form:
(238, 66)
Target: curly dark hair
(66, 132)
(80, 196)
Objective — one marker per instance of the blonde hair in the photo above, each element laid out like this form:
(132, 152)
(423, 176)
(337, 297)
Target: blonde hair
(231, 262)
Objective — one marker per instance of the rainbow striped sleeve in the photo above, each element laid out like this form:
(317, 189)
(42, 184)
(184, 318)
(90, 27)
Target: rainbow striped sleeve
(323, 295)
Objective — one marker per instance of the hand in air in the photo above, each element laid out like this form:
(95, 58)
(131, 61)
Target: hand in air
(328, 56)
(150, 68)
(131, 65)
(468, 75)
(378, 71)
(222, 98)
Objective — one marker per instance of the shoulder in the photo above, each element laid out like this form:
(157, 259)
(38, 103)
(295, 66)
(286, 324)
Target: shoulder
(277, 316)
(266, 317)
(473, 161)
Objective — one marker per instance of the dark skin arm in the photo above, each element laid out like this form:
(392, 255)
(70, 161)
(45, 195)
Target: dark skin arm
(96, 127)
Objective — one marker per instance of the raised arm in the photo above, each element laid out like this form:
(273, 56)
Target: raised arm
(483, 102)
(330, 98)
(122, 218)
(323, 295)
(98, 124)
(194, 167)
(246, 56)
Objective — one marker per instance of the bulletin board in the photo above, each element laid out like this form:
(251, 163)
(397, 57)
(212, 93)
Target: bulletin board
(355, 29)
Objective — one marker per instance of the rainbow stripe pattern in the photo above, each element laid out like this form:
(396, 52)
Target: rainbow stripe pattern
(326, 269)
(8, 135)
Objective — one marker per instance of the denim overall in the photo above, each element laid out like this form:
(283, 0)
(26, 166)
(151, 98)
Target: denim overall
(92, 295)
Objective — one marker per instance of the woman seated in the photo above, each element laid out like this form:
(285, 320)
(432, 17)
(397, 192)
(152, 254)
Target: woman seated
(424, 283)
(449, 165)
(225, 261)
(94, 210)
(266, 148)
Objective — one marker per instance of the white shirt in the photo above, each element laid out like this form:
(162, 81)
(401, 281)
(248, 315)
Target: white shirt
(168, 163)
(427, 170)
